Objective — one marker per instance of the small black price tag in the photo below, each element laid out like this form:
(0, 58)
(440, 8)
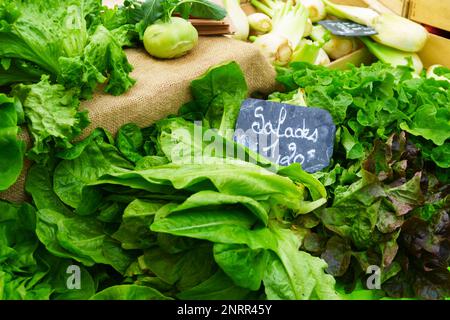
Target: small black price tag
(286, 134)
(347, 28)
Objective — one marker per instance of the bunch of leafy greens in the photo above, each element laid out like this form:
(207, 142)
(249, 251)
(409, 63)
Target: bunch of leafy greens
(63, 39)
(52, 116)
(144, 13)
(375, 101)
(180, 211)
(217, 106)
(53, 54)
(158, 214)
(11, 148)
(389, 192)
(391, 212)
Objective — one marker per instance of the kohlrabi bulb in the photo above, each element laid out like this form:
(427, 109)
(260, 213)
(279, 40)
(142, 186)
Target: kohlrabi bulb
(171, 39)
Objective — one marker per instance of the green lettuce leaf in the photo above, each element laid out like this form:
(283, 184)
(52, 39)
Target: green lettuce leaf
(129, 292)
(11, 148)
(87, 162)
(81, 239)
(431, 123)
(218, 96)
(374, 102)
(102, 58)
(130, 142)
(65, 40)
(134, 232)
(217, 287)
(52, 116)
(185, 269)
(16, 71)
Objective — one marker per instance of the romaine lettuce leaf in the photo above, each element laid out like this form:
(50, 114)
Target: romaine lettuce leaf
(11, 148)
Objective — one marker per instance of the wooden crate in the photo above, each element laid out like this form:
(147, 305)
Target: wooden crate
(399, 7)
(435, 13)
(437, 49)
(359, 57)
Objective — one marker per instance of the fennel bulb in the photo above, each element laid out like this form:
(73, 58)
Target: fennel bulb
(316, 9)
(399, 33)
(288, 27)
(260, 22)
(238, 19)
(393, 56)
(337, 46)
(308, 28)
(307, 51)
(393, 31)
(320, 34)
(275, 47)
(365, 16)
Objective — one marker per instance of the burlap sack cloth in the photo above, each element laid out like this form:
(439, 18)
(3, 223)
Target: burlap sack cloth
(163, 86)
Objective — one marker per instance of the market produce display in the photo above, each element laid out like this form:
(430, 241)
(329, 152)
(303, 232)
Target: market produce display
(178, 209)
(289, 32)
(54, 54)
(164, 35)
(390, 179)
(164, 226)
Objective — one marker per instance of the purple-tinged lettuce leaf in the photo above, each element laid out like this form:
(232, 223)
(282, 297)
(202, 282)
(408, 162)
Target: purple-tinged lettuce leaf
(337, 255)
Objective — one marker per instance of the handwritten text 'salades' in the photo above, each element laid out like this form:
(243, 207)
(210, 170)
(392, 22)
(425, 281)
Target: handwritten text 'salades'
(265, 127)
(287, 134)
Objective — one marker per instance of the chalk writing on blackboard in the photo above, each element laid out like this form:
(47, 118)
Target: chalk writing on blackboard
(347, 28)
(287, 134)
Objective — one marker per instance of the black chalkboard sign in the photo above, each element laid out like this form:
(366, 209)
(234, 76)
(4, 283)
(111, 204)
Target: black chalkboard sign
(347, 28)
(286, 134)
